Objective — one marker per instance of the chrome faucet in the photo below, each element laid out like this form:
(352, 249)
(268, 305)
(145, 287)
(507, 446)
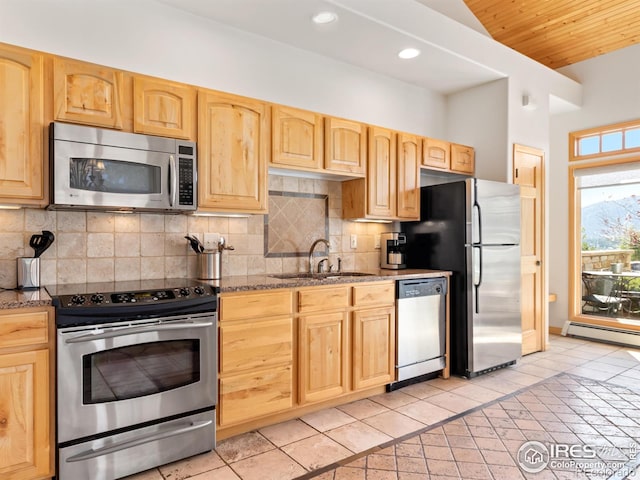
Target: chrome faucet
(313, 246)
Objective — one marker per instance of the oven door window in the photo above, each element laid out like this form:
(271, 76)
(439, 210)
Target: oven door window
(139, 370)
(114, 176)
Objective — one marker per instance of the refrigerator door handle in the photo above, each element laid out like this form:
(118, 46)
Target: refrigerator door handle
(478, 214)
(477, 276)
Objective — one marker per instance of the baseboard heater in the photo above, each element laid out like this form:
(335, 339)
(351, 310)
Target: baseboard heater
(619, 336)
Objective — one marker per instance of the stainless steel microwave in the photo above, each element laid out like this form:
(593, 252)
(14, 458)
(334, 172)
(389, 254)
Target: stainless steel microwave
(99, 169)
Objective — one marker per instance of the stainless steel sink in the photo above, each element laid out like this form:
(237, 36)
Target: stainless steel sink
(319, 276)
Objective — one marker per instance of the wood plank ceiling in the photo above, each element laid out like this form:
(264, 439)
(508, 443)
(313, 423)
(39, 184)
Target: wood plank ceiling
(560, 32)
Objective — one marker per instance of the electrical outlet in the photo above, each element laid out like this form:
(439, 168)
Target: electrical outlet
(376, 241)
(211, 241)
(354, 240)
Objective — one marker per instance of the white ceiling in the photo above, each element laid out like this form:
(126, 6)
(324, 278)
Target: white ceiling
(368, 33)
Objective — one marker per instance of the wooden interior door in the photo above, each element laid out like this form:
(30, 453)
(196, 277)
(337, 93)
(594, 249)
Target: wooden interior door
(528, 164)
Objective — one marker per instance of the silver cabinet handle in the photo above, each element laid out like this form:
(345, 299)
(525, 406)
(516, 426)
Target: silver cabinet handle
(118, 446)
(162, 327)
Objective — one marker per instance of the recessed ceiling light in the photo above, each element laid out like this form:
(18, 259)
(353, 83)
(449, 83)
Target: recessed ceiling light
(408, 53)
(322, 18)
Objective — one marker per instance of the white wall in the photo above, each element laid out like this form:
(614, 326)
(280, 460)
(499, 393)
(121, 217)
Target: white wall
(611, 89)
(478, 116)
(148, 37)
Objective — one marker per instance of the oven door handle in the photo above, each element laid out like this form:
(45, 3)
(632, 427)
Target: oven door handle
(121, 332)
(141, 440)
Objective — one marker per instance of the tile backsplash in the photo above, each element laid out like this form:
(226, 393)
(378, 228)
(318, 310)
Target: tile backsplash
(97, 246)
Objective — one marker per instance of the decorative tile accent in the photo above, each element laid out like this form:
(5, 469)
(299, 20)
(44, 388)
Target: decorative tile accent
(295, 220)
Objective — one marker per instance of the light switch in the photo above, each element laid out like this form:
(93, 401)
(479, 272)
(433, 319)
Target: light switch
(354, 240)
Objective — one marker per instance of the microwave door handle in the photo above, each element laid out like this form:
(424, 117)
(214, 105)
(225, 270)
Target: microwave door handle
(154, 437)
(173, 180)
(121, 332)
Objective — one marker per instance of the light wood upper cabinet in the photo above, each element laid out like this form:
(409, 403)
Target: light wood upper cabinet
(408, 192)
(86, 93)
(164, 108)
(462, 159)
(345, 146)
(381, 173)
(436, 154)
(26, 427)
(297, 138)
(22, 166)
(233, 145)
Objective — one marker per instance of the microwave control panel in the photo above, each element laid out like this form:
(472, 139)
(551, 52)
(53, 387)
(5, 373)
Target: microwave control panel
(186, 174)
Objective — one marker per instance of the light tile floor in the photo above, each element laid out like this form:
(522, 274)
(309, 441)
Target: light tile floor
(380, 438)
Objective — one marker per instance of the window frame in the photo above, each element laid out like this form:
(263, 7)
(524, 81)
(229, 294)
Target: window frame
(600, 132)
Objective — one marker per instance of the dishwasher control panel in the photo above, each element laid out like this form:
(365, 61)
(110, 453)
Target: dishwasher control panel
(422, 287)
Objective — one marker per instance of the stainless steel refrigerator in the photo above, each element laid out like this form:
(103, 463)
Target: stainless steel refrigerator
(472, 227)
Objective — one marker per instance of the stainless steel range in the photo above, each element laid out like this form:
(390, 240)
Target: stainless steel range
(136, 375)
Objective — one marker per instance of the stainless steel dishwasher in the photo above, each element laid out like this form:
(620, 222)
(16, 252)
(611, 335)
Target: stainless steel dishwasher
(421, 335)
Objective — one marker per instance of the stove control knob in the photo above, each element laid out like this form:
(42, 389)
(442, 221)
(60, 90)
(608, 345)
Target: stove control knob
(78, 299)
(184, 292)
(199, 290)
(97, 298)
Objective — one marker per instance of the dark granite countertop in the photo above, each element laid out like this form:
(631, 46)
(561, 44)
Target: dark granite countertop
(239, 283)
(24, 298)
(243, 283)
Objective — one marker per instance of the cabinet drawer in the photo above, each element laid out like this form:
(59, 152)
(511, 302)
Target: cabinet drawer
(252, 395)
(252, 345)
(378, 294)
(255, 305)
(27, 328)
(316, 299)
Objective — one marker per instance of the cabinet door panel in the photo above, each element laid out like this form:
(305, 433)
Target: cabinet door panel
(462, 159)
(436, 154)
(164, 108)
(233, 134)
(377, 294)
(381, 178)
(261, 344)
(255, 394)
(345, 146)
(297, 138)
(409, 157)
(319, 299)
(21, 329)
(374, 347)
(88, 94)
(24, 415)
(323, 356)
(254, 305)
(21, 125)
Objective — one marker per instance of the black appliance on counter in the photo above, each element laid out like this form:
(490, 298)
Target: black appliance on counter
(136, 375)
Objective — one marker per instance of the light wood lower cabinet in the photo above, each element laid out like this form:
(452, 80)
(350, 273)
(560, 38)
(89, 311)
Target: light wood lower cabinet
(26, 427)
(256, 355)
(323, 359)
(287, 352)
(373, 347)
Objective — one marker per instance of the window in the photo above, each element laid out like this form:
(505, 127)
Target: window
(605, 141)
(606, 236)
